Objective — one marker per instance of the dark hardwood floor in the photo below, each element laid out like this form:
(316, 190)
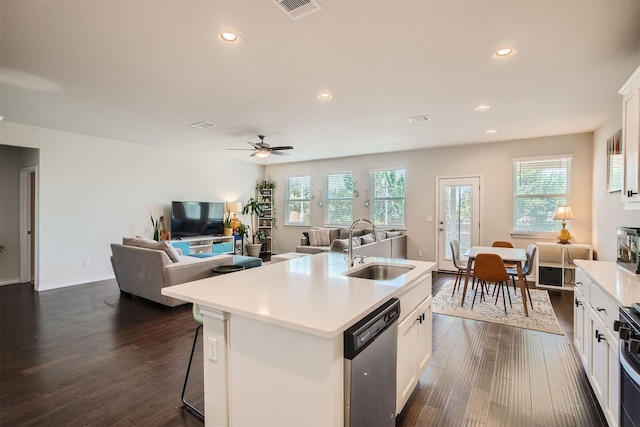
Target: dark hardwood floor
(87, 356)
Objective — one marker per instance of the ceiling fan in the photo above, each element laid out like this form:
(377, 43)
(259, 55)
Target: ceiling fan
(262, 149)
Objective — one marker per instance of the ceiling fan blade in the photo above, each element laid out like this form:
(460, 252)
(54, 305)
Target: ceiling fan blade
(254, 145)
(282, 147)
(240, 149)
(279, 153)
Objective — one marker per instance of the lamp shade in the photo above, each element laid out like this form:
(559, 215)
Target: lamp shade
(564, 213)
(234, 207)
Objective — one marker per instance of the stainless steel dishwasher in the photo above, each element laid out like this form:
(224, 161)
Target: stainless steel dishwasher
(370, 353)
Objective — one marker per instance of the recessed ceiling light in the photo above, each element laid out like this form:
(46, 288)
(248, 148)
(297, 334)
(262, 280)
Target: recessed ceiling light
(504, 52)
(492, 131)
(325, 95)
(483, 107)
(229, 37)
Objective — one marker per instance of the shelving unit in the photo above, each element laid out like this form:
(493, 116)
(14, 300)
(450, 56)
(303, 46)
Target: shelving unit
(555, 268)
(265, 222)
(205, 245)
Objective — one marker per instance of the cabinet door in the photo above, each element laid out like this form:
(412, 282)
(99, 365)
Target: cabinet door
(631, 144)
(613, 389)
(423, 337)
(406, 365)
(580, 322)
(599, 363)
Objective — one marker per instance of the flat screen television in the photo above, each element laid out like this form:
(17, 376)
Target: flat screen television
(191, 219)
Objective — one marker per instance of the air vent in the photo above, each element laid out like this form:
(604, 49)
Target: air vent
(296, 9)
(418, 119)
(204, 125)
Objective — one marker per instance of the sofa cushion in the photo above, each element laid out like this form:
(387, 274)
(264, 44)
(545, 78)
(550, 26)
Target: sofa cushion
(141, 242)
(319, 237)
(393, 234)
(341, 245)
(334, 233)
(367, 238)
(344, 233)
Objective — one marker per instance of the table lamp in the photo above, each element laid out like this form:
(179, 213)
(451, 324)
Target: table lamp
(564, 213)
(235, 207)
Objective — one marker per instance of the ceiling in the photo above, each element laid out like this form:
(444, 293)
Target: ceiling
(143, 71)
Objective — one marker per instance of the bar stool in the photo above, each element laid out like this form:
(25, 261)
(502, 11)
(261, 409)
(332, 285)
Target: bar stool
(197, 316)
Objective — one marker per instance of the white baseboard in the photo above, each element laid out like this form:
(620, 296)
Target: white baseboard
(49, 286)
(11, 281)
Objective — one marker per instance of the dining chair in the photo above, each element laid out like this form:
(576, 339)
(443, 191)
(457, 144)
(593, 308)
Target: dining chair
(501, 244)
(460, 265)
(526, 270)
(504, 244)
(489, 268)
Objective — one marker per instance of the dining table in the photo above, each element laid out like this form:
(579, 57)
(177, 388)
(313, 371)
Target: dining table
(510, 255)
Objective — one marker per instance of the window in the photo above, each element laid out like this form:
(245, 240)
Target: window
(297, 200)
(338, 207)
(388, 197)
(540, 185)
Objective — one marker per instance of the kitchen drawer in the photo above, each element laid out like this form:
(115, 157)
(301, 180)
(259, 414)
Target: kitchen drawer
(414, 296)
(221, 248)
(604, 306)
(583, 284)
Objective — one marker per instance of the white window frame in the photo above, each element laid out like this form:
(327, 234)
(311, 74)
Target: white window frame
(567, 195)
(374, 199)
(327, 201)
(288, 199)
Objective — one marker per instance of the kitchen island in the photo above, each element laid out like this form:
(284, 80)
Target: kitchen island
(273, 341)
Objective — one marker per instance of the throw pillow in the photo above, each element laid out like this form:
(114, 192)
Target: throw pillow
(382, 235)
(393, 234)
(339, 245)
(172, 252)
(141, 242)
(306, 236)
(319, 237)
(367, 238)
(334, 233)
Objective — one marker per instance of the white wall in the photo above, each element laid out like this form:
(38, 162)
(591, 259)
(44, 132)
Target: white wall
(94, 191)
(608, 210)
(494, 161)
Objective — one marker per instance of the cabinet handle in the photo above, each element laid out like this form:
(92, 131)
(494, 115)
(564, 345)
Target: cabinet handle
(579, 283)
(631, 193)
(600, 337)
(601, 309)
(578, 303)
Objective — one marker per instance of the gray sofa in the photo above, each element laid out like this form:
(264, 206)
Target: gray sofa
(392, 244)
(144, 272)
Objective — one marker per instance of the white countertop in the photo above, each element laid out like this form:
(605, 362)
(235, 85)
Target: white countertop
(309, 294)
(619, 282)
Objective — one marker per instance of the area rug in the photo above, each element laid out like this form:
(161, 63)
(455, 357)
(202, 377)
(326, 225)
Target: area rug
(541, 318)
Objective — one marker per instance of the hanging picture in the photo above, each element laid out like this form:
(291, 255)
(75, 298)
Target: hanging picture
(614, 162)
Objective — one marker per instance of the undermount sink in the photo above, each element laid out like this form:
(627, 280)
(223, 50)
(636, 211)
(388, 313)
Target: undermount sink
(379, 271)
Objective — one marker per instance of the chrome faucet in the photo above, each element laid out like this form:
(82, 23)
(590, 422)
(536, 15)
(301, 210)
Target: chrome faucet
(350, 247)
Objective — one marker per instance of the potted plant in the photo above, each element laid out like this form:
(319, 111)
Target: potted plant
(254, 208)
(228, 229)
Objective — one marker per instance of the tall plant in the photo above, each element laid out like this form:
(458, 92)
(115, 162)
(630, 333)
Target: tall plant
(254, 208)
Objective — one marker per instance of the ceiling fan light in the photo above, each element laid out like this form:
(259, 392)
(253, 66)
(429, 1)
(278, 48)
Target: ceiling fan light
(262, 153)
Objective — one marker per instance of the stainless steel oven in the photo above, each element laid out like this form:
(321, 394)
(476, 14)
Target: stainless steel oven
(629, 329)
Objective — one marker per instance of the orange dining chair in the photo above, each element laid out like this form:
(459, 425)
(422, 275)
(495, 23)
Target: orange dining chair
(460, 265)
(503, 244)
(489, 268)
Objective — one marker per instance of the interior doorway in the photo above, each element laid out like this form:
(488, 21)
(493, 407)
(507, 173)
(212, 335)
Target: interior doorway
(28, 225)
(459, 202)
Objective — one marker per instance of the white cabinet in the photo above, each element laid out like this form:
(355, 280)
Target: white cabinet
(205, 245)
(414, 339)
(555, 264)
(631, 141)
(597, 343)
(580, 326)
